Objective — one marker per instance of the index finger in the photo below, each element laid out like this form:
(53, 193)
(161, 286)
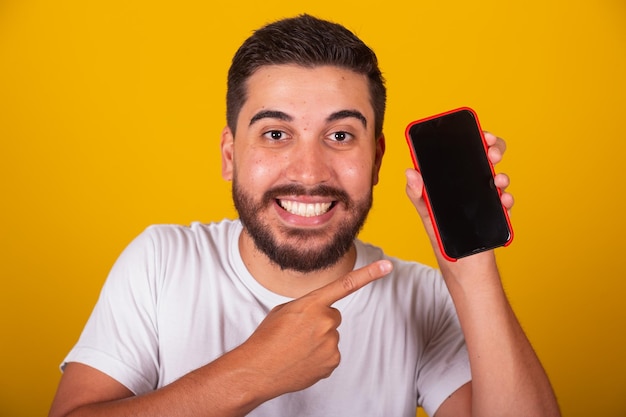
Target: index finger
(351, 282)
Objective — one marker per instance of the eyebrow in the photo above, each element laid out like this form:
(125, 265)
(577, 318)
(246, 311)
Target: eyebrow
(344, 114)
(270, 114)
(276, 114)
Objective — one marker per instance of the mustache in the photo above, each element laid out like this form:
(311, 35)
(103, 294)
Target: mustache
(320, 190)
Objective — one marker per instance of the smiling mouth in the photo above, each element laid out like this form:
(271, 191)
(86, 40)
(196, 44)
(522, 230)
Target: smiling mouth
(305, 209)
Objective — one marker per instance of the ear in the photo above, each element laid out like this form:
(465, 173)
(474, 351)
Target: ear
(226, 146)
(378, 158)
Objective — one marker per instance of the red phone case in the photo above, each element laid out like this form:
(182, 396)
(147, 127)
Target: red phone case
(425, 194)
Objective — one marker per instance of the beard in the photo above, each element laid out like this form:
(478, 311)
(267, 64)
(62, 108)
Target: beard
(301, 255)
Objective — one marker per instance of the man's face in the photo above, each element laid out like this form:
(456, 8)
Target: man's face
(303, 163)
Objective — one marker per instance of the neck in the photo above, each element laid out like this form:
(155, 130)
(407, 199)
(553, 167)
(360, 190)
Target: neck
(286, 282)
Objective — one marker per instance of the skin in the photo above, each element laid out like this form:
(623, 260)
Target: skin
(305, 103)
(305, 115)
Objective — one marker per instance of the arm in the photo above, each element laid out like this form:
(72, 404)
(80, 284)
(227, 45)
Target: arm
(507, 377)
(210, 390)
(293, 348)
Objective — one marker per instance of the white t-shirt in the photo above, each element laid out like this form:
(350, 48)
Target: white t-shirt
(179, 297)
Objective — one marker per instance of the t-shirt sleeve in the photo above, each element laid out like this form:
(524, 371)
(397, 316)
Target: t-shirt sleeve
(444, 363)
(120, 337)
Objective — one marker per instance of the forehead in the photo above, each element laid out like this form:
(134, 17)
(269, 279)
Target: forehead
(301, 88)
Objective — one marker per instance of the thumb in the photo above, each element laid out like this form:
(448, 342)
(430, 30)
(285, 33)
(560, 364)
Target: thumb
(415, 191)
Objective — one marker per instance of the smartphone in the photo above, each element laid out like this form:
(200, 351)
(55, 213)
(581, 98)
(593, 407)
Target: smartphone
(450, 152)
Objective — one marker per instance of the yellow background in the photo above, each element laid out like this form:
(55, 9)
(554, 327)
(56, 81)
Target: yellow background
(110, 116)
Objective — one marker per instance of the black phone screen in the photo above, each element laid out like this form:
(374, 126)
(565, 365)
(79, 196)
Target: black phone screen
(449, 152)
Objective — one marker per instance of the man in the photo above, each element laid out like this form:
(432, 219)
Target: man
(283, 312)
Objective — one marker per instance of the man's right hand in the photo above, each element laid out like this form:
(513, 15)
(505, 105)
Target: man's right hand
(297, 343)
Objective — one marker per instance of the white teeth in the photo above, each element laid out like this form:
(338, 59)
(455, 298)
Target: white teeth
(303, 209)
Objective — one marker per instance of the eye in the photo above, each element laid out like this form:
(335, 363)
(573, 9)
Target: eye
(340, 136)
(274, 135)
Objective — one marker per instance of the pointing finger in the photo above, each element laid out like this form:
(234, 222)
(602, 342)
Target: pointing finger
(351, 282)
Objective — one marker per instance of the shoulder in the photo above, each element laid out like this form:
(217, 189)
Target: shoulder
(173, 238)
(196, 231)
(405, 272)
(166, 248)
(413, 285)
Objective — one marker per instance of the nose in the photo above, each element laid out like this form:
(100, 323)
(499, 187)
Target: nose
(309, 163)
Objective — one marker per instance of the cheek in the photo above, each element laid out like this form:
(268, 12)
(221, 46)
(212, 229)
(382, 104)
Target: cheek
(356, 176)
(258, 170)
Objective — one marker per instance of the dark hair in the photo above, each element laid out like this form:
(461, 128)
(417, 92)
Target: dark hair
(307, 41)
